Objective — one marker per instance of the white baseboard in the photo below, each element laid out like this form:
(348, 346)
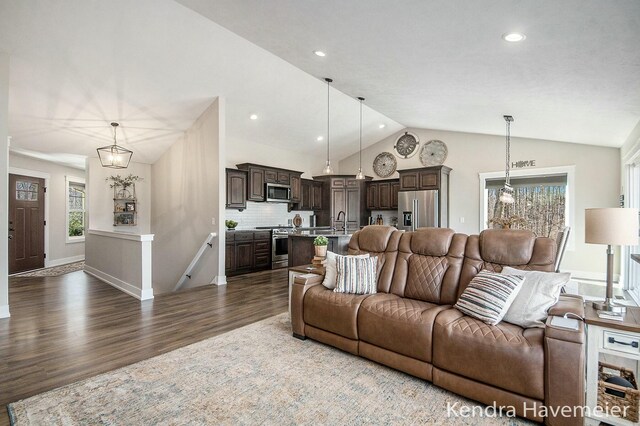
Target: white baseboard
(4, 311)
(63, 261)
(219, 280)
(593, 276)
(125, 287)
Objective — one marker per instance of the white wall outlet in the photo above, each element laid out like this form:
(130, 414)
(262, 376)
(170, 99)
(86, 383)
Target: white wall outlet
(461, 219)
(213, 221)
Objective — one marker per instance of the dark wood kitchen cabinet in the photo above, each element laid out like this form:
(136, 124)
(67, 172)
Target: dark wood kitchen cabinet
(247, 251)
(343, 193)
(317, 189)
(383, 194)
(236, 189)
(423, 178)
(259, 175)
(310, 195)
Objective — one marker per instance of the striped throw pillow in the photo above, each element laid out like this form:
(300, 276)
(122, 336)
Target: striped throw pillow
(489, 295)
(356, 275)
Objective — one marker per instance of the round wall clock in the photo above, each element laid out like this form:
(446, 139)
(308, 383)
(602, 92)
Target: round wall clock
(385, 164)
(406, 145)
(433, 153)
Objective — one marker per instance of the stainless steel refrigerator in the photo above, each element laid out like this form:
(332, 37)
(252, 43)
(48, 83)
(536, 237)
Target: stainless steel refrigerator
(417, 209)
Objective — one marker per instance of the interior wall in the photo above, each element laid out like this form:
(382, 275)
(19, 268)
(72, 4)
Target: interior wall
(100, 196)
(4, 184)
(187, 192)
(597, 179)
(60, 250)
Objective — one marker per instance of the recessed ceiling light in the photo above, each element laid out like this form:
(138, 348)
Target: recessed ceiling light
(320, 53)
(513, 37)
(382, 126)
(253, 116)
(320, 138)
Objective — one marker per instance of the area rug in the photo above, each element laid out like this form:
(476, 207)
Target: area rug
(53, 271)
(258, 374)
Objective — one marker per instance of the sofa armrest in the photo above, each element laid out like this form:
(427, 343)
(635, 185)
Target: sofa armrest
(300, 286)
(564, 351)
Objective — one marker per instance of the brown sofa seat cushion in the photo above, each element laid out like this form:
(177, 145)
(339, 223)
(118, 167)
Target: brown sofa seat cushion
(504, 355)
(398, 324)
(333, 312)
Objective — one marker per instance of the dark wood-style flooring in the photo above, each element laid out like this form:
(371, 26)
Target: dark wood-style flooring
(68, 328)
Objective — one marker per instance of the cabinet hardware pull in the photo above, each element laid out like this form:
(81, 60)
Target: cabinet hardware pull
(632, 344)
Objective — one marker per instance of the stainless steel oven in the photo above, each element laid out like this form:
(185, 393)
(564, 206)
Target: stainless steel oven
(279, 248)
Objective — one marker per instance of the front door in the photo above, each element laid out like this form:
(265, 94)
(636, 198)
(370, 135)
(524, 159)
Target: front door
(26, 223)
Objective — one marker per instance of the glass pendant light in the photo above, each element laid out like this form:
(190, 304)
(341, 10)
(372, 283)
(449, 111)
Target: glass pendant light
(360, 175)
(114, 156)
(506, 193)
(328, 170)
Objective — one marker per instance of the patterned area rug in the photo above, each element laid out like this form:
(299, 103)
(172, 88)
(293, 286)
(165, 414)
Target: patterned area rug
(54, 271)
(258, 374)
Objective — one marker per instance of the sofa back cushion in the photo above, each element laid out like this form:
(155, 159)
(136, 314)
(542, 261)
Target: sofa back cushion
(381, 242)
(429, 264)
(495, 248)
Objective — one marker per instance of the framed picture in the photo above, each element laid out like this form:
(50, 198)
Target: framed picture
(125, 219)
(130, 207)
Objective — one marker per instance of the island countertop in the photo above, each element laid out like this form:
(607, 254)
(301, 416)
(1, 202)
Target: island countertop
(325, 233)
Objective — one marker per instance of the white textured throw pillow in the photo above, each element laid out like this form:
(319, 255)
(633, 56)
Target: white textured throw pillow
(489, 295)
(356, 275)
(330, 272)
(540, 291)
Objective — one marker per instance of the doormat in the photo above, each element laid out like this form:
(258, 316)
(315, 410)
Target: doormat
(53, 271)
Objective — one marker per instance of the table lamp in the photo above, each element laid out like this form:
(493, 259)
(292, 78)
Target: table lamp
(611, 226)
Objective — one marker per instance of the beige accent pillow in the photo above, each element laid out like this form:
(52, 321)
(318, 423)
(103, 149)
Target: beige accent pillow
(330, 271)
(539, 292)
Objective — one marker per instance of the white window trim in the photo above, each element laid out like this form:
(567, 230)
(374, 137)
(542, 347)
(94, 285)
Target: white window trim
(570, 197)
(67, 181)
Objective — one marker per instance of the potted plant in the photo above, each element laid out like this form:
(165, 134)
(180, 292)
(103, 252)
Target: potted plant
(121, 184)
(320, 242)
(231, 224)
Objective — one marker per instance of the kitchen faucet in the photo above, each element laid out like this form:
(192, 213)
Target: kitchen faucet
(344, 220)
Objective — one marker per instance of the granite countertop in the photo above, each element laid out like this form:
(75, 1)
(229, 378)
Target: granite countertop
(315, 233)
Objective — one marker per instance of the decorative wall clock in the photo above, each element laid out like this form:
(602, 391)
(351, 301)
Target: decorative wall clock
(406, 145)
(433, 153)
(385, 164)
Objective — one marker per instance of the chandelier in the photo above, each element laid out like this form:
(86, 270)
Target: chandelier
(114, 156)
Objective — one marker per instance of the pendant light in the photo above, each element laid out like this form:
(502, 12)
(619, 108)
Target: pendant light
(360, 175)
(328, 170)
(114, 156)
(506, 193)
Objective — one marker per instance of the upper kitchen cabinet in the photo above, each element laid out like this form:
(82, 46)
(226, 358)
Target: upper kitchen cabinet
(423, 178)
(382, 194)
(343, 194)
(236, 189)
(258, 176)
(310, 195)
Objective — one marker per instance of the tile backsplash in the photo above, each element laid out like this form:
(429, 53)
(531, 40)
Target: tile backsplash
(389, 217)
(265, 214)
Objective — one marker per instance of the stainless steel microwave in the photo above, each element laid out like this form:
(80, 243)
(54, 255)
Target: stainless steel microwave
(278, 193)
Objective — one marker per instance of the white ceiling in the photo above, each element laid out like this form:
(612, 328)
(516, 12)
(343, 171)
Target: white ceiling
(443, 65)
(155, 65)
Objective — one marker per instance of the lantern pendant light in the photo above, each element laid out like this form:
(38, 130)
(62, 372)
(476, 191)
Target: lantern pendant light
(360, 175)
(506, 193)
(328, 170)
(114, 156)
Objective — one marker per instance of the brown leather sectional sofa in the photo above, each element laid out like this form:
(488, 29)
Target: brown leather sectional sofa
(410, 323)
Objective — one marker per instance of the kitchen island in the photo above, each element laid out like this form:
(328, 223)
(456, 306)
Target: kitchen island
(301, 249)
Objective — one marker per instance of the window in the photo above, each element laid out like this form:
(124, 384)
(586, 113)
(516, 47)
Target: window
(76, 198)
(543, 200)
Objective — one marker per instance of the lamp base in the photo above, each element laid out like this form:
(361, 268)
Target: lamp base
(609, 306)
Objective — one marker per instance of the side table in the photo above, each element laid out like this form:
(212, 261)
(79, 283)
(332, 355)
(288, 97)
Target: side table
(613, 342)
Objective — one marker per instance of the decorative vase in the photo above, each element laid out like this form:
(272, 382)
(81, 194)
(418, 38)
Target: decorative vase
(321, 251)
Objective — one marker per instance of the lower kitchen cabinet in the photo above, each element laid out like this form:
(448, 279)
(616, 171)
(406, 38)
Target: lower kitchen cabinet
(247, 251)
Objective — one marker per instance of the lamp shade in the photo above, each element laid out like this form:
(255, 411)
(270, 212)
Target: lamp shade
(611, 226)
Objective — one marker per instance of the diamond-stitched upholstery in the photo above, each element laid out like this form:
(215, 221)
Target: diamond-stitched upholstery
(424, 280)
(398, 324)
(334, 312)
(504, 355)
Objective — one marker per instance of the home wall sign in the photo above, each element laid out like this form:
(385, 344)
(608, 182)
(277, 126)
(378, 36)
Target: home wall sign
(523, 163)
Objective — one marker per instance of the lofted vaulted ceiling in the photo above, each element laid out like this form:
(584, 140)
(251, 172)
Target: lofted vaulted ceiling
(154, 66)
